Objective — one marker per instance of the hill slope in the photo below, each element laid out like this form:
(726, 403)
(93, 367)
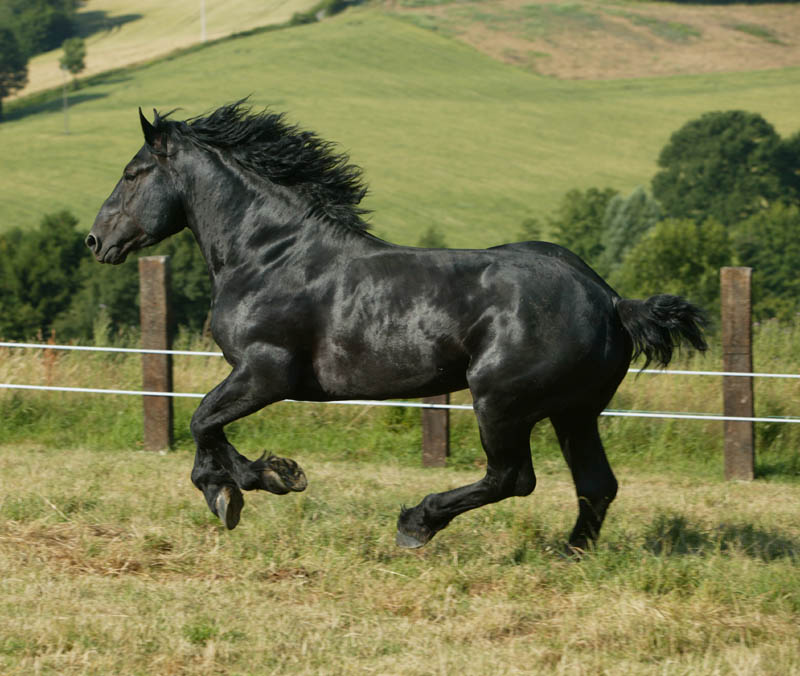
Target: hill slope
(447, 136)
(119, 33)
(608, 39)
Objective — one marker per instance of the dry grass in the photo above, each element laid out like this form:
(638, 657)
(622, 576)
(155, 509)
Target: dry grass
(598, 39)
(110, 563)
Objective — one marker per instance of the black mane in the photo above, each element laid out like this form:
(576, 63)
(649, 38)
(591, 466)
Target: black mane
(265, 144)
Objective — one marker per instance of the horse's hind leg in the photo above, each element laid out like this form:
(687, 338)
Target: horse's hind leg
(509, 471)
(595, 483)
(220, 471)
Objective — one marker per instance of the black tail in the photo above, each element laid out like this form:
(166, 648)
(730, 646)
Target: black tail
(660, 324)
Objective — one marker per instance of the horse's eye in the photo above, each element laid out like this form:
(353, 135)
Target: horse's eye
(129, 176)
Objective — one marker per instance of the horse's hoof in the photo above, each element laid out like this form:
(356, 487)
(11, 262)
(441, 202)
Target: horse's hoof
(408, 541)
(282, 475)
(574, 552)
(229, 505)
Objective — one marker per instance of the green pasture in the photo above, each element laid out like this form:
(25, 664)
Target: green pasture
(447, 136)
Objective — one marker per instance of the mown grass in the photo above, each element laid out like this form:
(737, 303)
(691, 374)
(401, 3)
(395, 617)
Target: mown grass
(118, 33)
(111, 563)
(447, 136)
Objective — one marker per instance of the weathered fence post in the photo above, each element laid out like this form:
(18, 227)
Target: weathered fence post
(737, 357)
(435, 432)
(156, 368)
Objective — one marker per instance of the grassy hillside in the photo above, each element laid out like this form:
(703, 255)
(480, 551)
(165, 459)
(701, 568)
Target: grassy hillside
(447, 135)
(119, 33)
(610, 39)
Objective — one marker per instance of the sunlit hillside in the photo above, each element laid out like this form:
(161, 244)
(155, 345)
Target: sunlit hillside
(120, 33)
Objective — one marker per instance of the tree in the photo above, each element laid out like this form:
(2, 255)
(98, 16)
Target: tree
(725, 165)
(73, 58)
(13, 66)
(769, 242)
(578, 221)
(39, 25)
(677, 256)
(625, 221)
(38, 274)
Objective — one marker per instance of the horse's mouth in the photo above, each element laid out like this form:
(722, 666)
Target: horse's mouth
(114, 255)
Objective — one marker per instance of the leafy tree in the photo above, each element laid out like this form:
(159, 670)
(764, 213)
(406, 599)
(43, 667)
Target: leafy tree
(578, 222)
(13, 66)
(39, 25)
(73, 58)
(725, 165)
(677, 256)
(625, 221)
(38, 274)
(769, 242)
(787, 162)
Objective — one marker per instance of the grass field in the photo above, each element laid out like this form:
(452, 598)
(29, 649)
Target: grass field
(607, 39)
(110, 563)
(119, 33)
(447, 136)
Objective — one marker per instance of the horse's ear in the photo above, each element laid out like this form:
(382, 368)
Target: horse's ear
(152, 136)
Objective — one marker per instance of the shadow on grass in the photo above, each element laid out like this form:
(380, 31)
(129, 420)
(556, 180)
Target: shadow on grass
(49, 103)
(97, 21)
(676, 536)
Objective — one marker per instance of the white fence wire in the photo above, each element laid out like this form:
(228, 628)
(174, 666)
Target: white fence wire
(405, 404)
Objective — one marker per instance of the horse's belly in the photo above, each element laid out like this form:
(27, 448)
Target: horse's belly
(388, 370)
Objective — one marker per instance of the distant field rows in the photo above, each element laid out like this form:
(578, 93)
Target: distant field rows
(446, 135)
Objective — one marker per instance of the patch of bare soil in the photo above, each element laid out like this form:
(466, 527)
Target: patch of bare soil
(596, 39)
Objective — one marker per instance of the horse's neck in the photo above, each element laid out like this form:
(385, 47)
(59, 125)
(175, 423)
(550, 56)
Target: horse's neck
(237, 220)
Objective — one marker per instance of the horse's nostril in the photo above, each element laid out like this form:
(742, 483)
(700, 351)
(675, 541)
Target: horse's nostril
(92, 242)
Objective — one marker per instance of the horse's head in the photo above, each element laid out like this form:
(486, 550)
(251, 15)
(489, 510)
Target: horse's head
(145, 206)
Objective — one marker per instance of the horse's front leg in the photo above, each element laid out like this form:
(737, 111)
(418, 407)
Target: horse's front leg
(220, 471)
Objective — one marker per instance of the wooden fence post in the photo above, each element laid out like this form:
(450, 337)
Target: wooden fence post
(737, 357)
(435, 432)
(156, 368)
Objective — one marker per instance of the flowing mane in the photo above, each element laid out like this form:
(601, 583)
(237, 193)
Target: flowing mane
(266, 145)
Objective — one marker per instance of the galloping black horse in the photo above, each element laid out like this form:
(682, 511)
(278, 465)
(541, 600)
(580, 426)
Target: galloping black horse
(306, 304)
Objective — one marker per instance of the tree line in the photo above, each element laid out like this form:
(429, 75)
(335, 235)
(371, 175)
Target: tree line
(727, 193)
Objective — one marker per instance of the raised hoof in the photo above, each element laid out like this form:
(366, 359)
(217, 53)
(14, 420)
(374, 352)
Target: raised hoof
(408, 541)
(282, 475)
(229, 505)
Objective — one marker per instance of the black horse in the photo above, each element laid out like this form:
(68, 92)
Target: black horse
(306, 304)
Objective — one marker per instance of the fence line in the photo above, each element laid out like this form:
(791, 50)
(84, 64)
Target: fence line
(407, 404)
(198, 353)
